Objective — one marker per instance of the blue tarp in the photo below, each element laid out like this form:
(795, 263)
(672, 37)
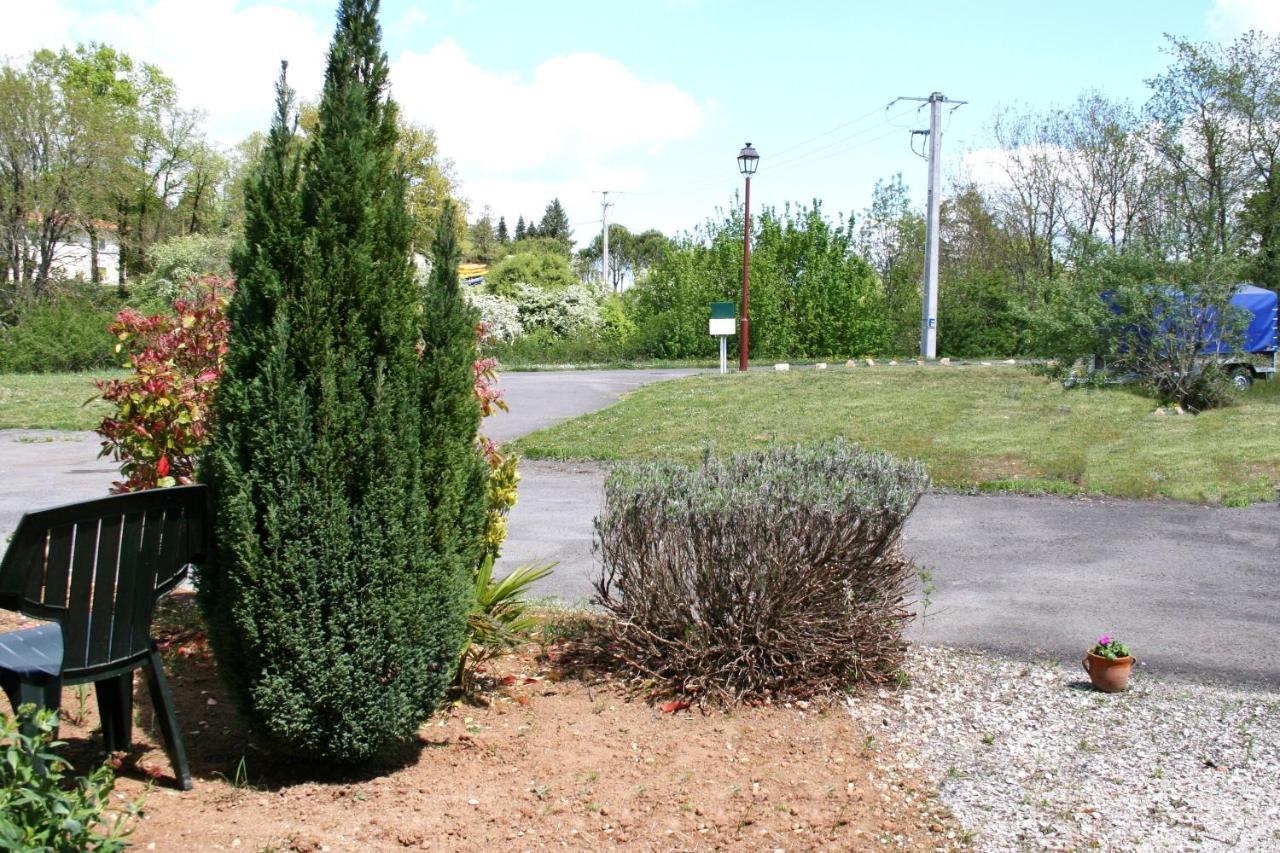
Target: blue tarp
(1259, 331)
(1260, 334)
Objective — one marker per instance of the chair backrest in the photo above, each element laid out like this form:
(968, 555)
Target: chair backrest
(98, 568)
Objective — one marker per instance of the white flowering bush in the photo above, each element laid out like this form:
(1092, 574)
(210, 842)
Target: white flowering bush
(501, 316)
(561, 312)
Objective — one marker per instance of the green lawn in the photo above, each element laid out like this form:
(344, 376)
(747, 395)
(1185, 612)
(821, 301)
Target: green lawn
(989, 428)
(51, 400)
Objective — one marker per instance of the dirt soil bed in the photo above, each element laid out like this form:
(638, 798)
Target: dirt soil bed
(551, 761)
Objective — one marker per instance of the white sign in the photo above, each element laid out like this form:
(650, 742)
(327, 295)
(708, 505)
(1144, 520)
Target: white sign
(724, 327)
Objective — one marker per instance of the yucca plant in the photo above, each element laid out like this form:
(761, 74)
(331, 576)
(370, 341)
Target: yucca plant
(499, 619)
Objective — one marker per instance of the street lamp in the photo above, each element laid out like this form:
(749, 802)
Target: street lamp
(748, 159)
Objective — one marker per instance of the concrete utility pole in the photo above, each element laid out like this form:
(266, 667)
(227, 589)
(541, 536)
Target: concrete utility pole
(604, 236)
(929, 303)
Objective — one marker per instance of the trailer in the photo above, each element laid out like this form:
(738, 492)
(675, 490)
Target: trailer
(1256, 357)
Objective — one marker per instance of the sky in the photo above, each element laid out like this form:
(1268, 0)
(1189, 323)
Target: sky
(652, 99)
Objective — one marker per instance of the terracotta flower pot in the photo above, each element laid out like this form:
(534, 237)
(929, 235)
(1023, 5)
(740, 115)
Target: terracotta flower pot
(1109, 676)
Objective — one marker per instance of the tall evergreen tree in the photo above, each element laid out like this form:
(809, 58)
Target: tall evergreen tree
(348, 492)
(521, 230)
(555, 224)
(503, 236)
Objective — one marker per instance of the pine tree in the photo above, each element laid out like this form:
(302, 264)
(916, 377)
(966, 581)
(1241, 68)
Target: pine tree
(555, 224)
(348, 492)
(521, 231)
(503, 237)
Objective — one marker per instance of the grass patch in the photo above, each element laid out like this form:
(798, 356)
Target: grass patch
(975, 428)
(52, 400)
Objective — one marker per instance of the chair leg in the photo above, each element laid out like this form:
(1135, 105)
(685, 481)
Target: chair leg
(43, 695)
(158, 686)
(47, 695)
(115, 710)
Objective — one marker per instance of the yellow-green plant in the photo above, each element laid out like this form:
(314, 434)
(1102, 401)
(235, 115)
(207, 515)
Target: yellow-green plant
(37, 810)
(499, 619)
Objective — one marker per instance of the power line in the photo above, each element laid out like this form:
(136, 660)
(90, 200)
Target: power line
(830, 149)
(838, 127)
(837, 147)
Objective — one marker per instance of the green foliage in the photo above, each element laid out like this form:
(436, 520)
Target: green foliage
(499, 620)
(891, 239)
(60, 332)
(161, 412)
(178, 260)
(38, 812)
(630, 254)
(769, 574)
(555, 226)
(618, 329)
(983, 316)
(811, 294)
(1110, 648)
(531, 264)
(348, 488)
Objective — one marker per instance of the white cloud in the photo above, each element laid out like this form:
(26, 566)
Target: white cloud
(518, 137)
(570, 118)
(580, 105)
(30, 26)
(1229, 18)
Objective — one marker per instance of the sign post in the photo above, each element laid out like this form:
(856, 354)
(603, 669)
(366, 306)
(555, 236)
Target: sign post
(722, 325)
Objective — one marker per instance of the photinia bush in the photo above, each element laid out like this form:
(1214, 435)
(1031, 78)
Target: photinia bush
(161, 411)
(503, 477)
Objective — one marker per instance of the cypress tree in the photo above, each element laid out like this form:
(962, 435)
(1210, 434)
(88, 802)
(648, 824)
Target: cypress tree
(348, 493)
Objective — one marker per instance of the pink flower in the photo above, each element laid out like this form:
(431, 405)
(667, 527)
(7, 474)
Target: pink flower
(1105, 639)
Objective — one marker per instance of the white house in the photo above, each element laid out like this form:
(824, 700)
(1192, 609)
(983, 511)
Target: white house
(73, 254)
(73, 257)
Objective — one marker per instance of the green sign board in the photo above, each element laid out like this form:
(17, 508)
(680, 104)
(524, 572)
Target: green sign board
(722, 310)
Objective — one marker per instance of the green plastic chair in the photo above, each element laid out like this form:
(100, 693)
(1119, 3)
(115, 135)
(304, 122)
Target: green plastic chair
(96, 570)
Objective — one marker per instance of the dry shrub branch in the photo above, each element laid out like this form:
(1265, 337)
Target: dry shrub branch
(767, 575)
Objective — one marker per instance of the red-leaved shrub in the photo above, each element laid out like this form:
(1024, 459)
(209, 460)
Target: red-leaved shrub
(161, 411)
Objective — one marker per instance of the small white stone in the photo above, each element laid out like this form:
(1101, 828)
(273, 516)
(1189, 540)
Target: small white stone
(782, 366)
(822, 365)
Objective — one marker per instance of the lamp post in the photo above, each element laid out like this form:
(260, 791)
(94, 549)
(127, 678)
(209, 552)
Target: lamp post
(748, 159)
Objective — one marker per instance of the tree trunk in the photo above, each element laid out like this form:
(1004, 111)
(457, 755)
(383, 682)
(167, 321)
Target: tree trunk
(91, 229)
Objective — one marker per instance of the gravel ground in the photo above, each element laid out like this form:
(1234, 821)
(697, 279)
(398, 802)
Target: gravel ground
(1028, 756)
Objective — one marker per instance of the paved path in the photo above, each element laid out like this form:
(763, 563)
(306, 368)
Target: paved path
(1195, 590)
(41, 468)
